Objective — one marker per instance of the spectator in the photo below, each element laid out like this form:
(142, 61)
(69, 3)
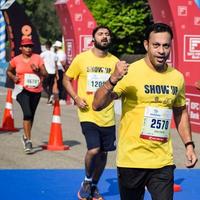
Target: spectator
(61, 63)
(50, 63)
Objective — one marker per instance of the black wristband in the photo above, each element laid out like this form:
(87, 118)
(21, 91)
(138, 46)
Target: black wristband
(111, 83)
(189, 143)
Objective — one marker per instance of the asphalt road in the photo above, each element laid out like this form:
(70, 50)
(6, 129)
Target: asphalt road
(12, 155)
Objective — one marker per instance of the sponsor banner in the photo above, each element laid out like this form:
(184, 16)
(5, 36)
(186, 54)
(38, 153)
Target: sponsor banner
(193, 106)
(77, 25)
(191, 48)
(183, 16)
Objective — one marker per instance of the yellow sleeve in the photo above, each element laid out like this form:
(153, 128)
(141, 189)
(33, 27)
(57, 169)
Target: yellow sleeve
(180, 99)
(74, 69)
(120, 87)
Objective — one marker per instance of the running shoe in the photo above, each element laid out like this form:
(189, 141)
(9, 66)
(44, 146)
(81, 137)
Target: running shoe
(28, 147)
(51, 100)
(23, 139)
(62, 102)
(95, 193)
(85, 191)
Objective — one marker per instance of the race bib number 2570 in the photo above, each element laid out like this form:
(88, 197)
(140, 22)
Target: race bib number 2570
(156, 124)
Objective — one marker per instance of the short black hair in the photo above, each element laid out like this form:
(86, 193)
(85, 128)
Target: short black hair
(158, 28)
(99, 27)
(48, 43)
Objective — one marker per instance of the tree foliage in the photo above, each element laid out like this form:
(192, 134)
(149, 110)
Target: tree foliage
(127, 19)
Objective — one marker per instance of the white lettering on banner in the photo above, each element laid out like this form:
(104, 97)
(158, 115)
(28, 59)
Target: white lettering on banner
(69, 49)
(193, 110)
(85, 42)
(194, 106)
(182, 10)
(194, 115)
(191, 49)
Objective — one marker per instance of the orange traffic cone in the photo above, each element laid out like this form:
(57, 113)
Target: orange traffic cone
(177, 188)
(8, 121)
(55, 138)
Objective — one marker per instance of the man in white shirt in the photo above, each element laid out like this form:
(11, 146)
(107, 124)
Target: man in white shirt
(61, 63)
(50, 62)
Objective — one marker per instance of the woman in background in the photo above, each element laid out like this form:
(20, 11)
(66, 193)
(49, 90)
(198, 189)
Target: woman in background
(27, 72)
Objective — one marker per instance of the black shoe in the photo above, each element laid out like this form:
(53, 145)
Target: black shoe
(95, 193)
(85, 191)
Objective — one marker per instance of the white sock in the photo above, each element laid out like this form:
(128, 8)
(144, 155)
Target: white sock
(88, 179)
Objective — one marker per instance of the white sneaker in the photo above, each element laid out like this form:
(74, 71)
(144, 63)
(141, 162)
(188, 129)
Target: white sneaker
(51, 100)
(62, 102)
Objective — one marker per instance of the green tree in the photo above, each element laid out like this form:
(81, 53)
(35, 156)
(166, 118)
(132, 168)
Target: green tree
(127, 19)
(42, 14)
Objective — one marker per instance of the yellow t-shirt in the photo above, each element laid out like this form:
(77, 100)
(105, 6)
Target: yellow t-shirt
(147, 100)
(91, 72)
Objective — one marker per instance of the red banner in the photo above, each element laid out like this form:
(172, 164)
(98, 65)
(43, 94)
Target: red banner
(184, 18)
(77, 24)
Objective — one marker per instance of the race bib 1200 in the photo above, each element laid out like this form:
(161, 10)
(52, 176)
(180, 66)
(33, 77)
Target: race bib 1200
(96, 80)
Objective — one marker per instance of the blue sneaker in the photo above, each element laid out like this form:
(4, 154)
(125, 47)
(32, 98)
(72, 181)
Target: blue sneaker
(95, 193)
(85, 191)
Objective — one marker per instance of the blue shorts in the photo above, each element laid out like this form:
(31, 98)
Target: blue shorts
(99, 137)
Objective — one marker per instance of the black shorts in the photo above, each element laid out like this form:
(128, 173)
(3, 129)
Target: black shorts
(99, 137)
(159, 182)
(28, 102)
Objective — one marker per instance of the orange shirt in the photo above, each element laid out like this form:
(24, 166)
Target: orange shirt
(26, 74)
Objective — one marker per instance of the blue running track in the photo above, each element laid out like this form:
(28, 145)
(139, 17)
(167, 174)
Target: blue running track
(64, 184)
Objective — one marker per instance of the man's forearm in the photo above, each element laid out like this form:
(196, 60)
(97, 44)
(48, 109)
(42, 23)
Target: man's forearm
(67, 83)
(104, 96)
(183, 126)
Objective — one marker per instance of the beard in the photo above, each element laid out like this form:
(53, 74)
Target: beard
(104, 47)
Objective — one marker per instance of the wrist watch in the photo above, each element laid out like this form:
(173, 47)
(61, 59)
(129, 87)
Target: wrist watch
(189, 143)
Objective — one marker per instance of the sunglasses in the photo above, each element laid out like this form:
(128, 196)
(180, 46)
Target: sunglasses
(28, 46)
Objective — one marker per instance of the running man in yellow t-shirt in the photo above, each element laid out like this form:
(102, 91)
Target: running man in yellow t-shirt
(91, 69)
(151, 91)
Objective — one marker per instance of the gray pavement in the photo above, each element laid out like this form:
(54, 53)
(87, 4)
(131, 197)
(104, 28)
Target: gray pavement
(13, 157)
